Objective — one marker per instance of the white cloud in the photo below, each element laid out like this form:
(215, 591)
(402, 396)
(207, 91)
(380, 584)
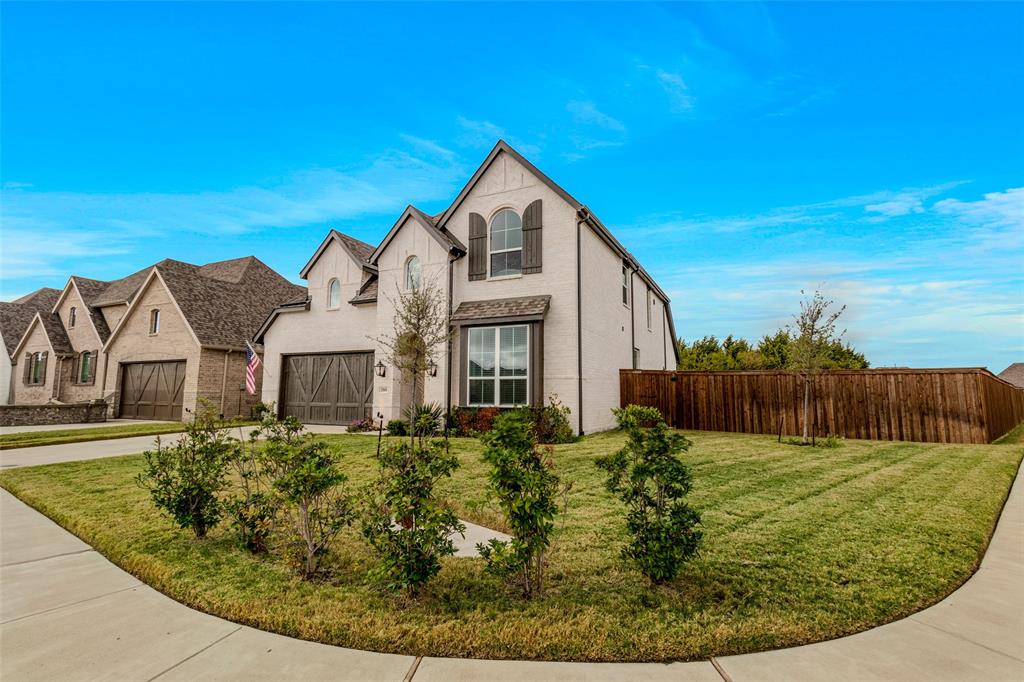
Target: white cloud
(484, 134)
(586, 112)
(676, 89)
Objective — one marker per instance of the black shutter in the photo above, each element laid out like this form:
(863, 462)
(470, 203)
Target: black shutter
(27, 374)
(477, 247)
(532, 243)
(42, 370)
(94, 358)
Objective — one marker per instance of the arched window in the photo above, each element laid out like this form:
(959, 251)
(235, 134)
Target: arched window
(412, 273)
(85, 362)
(72, 315)
(154, 322)
(334, 294)
(506, 243)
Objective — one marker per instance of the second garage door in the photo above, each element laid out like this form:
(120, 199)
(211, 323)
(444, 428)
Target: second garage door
(152, 390)
(334, 388)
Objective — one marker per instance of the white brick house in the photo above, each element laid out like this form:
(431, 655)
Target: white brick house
(542, 300)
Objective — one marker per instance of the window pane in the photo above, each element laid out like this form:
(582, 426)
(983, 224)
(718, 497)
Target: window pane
(514, 239)
(84, 373)
(481, 391)
(514, 355)
(513, 391)
(498, 261)
(514, 264)
(481, 352)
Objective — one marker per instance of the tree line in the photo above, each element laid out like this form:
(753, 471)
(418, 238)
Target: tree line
(774, 351)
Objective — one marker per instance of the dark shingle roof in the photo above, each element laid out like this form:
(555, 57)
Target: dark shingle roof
(367, 292)
(55, 332)
(1014, 374)
(16, 315)
(226, 302)
(121, 290)
(361, 250)
(91, 289)
(520, 306)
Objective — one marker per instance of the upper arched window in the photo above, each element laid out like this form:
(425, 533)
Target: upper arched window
(412, 273)
(334, 294)
(154, 321)
(506, 243)
(72, 316)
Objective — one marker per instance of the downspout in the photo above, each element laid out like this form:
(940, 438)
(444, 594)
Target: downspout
(581, 216)
(664, 345)
(633, 360)
(224, 384)
(448, 344)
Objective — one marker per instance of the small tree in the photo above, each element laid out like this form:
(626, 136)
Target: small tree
(185, 479)
(648, 475)
(420, 330)
(404, 521)
(814, 336)
(527, 490)
(253, 509)
(308, 481)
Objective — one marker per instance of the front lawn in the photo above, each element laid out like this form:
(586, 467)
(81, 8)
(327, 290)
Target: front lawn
(801, 545)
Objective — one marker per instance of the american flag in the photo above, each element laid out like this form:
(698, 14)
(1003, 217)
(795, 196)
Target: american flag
(252, 361)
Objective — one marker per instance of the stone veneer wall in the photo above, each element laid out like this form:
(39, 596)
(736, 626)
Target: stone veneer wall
(74, 413)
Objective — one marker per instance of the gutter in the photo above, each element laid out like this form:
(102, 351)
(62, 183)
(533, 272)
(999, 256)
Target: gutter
(448, 344)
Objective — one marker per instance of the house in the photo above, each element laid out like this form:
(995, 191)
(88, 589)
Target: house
(542, 301)
(1014, 374)
(15, 317)
(150, 344)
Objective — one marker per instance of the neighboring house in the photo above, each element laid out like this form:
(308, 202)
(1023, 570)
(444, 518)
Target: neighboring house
(150, 344)
(15, 316)
(1014, 374)
(542, 301)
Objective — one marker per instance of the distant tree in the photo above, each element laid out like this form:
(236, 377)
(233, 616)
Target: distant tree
(774, 350)
(814, 335)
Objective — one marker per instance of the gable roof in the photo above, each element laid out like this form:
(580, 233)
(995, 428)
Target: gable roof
(17, 315)
(428, 222)
(1014, 374)
(53, 330)
(88, 291)
(359, 251)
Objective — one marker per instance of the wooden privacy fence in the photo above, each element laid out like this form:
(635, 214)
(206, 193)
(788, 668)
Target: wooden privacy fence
(935, 405)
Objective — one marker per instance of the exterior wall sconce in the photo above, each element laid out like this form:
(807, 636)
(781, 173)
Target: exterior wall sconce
(381, 370)
(432, 369)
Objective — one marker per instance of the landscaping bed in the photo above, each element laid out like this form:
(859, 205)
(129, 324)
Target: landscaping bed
(801, 544)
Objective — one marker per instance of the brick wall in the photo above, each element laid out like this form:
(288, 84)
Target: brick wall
(227, 395)
(30, 415)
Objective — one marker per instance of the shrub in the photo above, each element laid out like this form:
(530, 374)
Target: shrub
(426, 420)
(472, 421)
(651, 479)
(551, 422)
(309, 483)
(526, 489)
(254, 509)
(362, 424)
(398, 427)
(404, 521)
(185, 479)
(260, 409)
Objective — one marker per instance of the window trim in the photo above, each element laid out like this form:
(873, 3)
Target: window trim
(626, 298)
(85, 354)
(406, 271)
(154, 321)
(496, 379)
(37, 361)
(330, 304)
(492, 251)
(650, 309)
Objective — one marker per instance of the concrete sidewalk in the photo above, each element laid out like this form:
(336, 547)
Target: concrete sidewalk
(68, 613)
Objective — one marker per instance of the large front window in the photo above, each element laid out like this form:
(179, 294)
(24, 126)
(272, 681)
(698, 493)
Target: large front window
(498, 365)
(506, 244)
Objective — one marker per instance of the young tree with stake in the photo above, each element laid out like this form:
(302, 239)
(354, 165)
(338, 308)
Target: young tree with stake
(813, 332)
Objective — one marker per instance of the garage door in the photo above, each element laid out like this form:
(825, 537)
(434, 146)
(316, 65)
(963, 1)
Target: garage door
(152, 390)
(335, 388)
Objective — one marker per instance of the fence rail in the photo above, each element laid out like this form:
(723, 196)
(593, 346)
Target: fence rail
(969, 405)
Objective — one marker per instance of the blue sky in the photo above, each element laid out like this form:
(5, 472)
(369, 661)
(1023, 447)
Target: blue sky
(741, 151)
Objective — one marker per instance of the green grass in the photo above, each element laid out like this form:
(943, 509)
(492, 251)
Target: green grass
(802, 545)
(1012, 437)
(31, 439)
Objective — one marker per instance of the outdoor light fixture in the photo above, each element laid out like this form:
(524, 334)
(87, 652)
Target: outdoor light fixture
(380, 368)
(432, 369)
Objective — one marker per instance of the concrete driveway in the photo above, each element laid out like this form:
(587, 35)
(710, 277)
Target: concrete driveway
(67, 613)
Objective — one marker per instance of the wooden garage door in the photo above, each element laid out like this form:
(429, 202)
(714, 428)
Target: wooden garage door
(334, 388)
(152, 390)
